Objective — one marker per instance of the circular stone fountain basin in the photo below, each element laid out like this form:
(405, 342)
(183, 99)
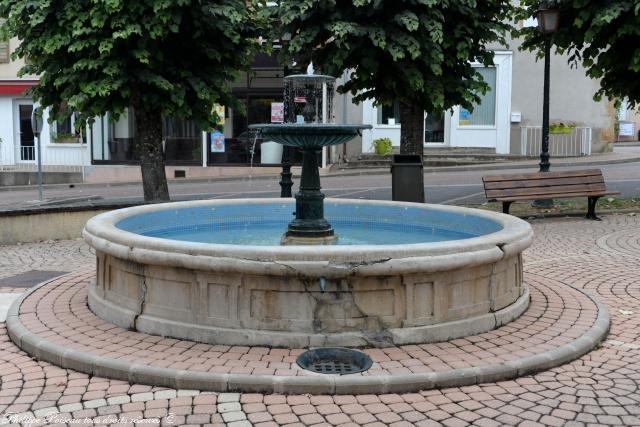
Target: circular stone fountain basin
(212, 271)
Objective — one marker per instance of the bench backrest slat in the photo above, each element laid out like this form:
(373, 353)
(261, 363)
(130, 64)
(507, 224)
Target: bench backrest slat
(527, 183)
(542, 175)
(569, 189)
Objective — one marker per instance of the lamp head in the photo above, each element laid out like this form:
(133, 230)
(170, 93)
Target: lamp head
(36, 120)
(548, 19)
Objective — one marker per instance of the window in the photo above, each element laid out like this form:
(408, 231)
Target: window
(183, 140)
(484, 113)
(5, 56)
(113, 141)
(64, 126)
(64, 131)
(389, 114)
(433, 129)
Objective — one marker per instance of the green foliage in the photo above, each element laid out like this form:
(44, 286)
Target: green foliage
(418, 52)
(172, 56)
(382, 146)
(603, 36)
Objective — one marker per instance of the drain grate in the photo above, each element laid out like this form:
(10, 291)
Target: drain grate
(334, 360)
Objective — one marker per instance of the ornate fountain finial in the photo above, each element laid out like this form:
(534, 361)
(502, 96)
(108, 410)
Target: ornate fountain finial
(310, 69)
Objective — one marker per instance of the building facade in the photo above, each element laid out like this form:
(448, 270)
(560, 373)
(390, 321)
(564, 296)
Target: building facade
(506, 121)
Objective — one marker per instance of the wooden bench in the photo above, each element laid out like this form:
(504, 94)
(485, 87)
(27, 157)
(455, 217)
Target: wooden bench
(547, 185)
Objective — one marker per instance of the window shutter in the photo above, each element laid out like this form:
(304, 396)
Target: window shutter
(4, 53)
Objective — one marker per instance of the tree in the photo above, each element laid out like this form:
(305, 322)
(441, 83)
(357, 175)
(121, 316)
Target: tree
(415, 52)
(160, 57)
(601, 35)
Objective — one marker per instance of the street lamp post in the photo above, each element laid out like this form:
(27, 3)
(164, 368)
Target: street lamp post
(548, 20)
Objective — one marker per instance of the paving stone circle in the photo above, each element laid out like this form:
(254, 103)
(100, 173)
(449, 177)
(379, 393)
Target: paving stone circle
(599, 388)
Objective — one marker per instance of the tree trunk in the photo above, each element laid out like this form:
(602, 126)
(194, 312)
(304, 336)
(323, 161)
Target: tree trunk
(411, 128)
(149, 145)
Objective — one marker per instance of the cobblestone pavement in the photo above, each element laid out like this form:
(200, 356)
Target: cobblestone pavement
(65, 255)
(58, 312)
(600, 388)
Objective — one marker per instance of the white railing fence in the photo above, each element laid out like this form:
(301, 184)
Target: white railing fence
(27, 153)
(576, 143)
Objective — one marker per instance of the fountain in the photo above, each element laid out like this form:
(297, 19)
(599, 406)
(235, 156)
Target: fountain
(346, 272)
(308, 101)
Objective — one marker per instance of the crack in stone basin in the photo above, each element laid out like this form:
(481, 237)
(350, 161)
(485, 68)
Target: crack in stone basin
(297, 296)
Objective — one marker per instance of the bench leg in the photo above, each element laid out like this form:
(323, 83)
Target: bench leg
(505, 207)
(591, 211)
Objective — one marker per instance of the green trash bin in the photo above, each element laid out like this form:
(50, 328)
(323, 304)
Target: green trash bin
(407, 178)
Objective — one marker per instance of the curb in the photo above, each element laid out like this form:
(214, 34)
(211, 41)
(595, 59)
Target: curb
(206, 381)
(486, 167)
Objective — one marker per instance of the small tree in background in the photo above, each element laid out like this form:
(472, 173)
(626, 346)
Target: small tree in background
(415, 52)
(602, 36)
(160, 57)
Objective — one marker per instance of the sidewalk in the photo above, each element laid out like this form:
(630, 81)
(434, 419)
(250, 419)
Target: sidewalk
(623, 153)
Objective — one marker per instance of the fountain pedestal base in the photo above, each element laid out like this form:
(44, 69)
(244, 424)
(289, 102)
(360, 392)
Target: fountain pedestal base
(309, 226)
(292, 239)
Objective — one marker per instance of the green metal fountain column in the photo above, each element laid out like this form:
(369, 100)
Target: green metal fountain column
(310, 224)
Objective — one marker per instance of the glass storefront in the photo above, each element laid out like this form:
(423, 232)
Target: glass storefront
(240, 146)
(260, 93)
(182, 141)
(113, 142)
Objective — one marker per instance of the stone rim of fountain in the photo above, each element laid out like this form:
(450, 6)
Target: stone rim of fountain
(102, 233)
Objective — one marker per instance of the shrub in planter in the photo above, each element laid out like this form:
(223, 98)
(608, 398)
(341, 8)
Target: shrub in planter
(382, 146)
(558, 127)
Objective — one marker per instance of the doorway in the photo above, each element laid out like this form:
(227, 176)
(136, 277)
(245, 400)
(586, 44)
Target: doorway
(26, 148)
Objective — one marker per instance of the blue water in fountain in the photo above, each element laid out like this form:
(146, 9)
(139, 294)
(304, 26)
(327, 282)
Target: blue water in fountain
(263, 223)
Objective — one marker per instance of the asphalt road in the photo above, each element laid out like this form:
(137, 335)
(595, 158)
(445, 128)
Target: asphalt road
(440, 187)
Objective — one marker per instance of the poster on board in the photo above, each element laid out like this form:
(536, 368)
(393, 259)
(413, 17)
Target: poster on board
(277, 112)
(627, 129)
(217, 142)
(465, 117)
